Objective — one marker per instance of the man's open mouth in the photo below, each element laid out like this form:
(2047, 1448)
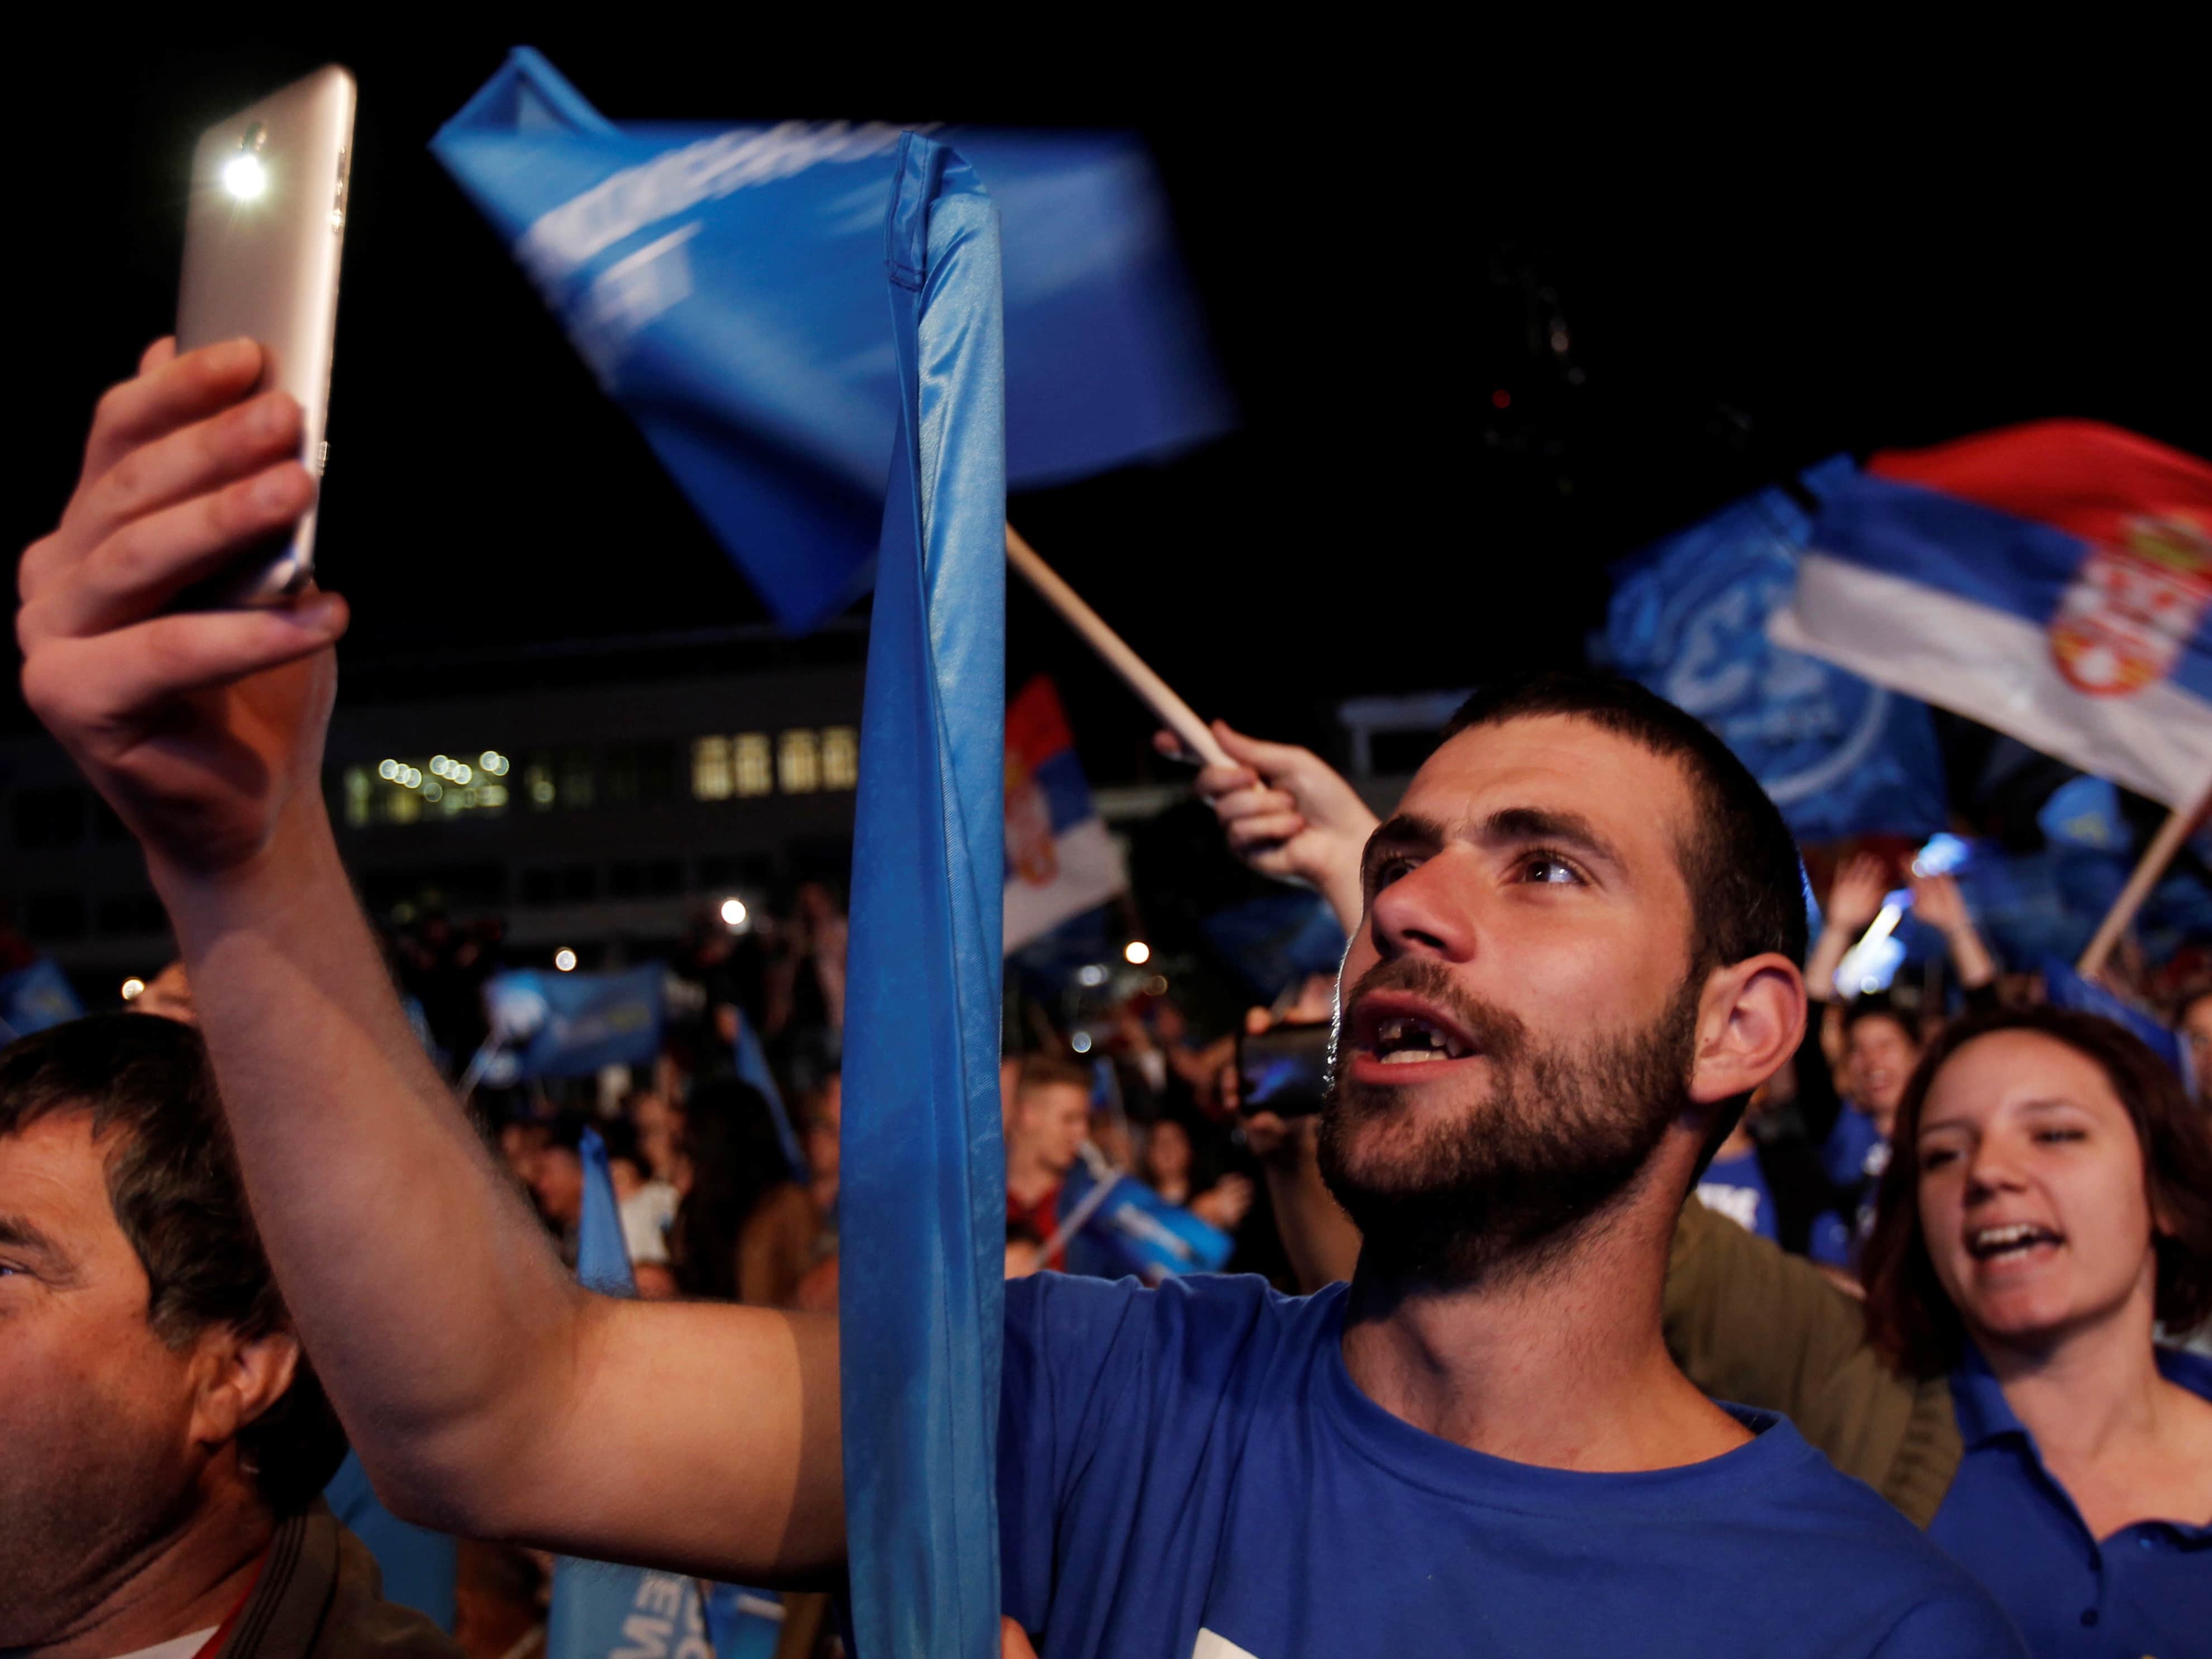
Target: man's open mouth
(1397, 1031)
(2012, 1242)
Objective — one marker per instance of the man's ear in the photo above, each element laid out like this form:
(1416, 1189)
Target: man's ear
(1750, 1020)
(238, 1378)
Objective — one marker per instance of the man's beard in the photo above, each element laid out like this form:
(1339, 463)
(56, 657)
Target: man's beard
(1449, 1190)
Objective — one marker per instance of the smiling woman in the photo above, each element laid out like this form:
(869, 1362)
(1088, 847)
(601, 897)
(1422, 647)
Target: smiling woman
(2048, 1206)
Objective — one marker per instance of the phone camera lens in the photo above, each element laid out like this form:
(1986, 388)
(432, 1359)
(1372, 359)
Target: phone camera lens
(256, 136)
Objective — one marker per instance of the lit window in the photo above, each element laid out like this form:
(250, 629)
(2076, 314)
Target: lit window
(799, 762)
(840, 757)
(750, 763)
(578, 783)
(402, 806)
(710, 768)
(357, 795)
(538, 784)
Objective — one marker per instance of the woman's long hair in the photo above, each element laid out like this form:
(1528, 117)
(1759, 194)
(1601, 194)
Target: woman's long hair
(1908, 1314)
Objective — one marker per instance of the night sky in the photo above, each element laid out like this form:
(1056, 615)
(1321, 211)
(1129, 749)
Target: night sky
(1748, 277)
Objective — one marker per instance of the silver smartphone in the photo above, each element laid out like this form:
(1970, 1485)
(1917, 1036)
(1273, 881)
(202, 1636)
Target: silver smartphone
(262, 240)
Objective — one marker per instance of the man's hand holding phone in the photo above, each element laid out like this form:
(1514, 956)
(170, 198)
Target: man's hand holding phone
(201, 728)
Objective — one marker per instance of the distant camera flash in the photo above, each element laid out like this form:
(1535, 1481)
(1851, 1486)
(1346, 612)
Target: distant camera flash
(244, 177)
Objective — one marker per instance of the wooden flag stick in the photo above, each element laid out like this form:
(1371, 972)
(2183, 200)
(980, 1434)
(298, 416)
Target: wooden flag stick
(2148, 870)
(1178, 716)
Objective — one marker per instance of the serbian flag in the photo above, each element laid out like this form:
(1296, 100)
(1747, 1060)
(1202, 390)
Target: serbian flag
(2053, 581)
(1059, 859)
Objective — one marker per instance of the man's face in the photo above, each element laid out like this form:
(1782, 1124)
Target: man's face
(96, 1412)
(1518, 1014)
(2196, 1032)
(557, 1179)
(1055, 1121)
(1879, 1058)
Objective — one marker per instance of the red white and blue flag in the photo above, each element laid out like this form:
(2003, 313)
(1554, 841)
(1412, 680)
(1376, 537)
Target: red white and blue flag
(2053, 581)
(1060, 860)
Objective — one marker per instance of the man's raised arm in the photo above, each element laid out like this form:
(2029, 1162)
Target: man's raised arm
(486, 1393)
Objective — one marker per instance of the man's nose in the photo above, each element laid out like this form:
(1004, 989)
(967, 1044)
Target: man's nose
(1428, 911)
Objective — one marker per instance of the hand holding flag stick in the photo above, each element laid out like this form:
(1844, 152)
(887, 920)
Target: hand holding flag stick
(1178, 716)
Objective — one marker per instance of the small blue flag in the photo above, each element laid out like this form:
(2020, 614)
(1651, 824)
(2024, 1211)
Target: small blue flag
(601, 1611)
(923, 1188)
(34, 997)
(1277, 939)
(572, 1024)
(1133, 1229)
(1839, 755)
(723, 283)
(2067, 990)
(753, 1071)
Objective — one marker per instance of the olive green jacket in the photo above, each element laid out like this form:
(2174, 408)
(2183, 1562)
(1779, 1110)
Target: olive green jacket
(1749, 1324)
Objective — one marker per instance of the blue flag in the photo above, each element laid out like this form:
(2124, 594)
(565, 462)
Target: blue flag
(1839, 755)
(1134, 1230)
(572, 1024)
(34, 997)
(2068, 989)
(1277, 939)
(923, 1185)
(600, 1611)
(753, 1071)
(723, 283)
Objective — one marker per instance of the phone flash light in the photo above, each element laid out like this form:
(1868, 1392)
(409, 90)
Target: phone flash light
(244, 176)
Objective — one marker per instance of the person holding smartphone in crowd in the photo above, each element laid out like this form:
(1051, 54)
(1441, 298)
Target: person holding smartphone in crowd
(1577, 955)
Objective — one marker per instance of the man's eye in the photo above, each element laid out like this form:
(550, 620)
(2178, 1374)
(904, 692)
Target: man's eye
(1390, 869)
(1550, 869)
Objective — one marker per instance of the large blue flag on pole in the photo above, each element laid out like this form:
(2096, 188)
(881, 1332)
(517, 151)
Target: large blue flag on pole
(722, 283)
(922, 1186)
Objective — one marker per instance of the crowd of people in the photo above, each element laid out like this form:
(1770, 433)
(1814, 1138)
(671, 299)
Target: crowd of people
(1634, 1290)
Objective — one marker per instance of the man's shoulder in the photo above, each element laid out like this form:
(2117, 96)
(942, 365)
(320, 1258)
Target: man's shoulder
(1844, 1533)
(362, 1623)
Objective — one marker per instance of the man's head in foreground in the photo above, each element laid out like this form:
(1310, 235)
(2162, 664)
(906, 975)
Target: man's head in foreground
(1580, 955)
(156, 1416)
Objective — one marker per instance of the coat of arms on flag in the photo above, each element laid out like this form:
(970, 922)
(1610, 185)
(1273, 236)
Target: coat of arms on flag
(2131, 609)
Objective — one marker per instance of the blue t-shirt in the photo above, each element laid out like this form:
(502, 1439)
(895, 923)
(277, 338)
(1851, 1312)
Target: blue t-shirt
(1736, 1187)
(2145, 1590)
(1191, 1471)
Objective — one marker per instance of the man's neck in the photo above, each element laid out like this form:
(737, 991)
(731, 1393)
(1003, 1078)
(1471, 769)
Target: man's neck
(1561, 1366)
(191, 1580)
(1028, 1180)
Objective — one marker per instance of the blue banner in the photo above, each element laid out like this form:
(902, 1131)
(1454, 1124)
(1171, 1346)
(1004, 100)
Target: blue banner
(1277, 939)
(572, 1024)
(1839, 755)
(923, 1188)
(34, 997)
(601, 1611)
(724, 284)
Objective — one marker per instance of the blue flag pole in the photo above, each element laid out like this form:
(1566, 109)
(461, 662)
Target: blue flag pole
(923, 1167)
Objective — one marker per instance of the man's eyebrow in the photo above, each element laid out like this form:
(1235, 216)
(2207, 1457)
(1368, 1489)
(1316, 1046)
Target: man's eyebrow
(1521, 823)
(1405, 830)
(22, 1234)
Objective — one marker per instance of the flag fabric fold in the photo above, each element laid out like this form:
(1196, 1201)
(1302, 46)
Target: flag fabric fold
(922, 1182)
(2052, 580)
(722, 283)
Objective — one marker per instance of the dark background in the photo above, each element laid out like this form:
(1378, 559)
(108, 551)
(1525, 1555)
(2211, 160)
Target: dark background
(1749, 272)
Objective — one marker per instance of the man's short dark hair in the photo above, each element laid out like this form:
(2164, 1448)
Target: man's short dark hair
(1738, 857)
(1878, 1005)
(173, 1182)
(1049, 1071)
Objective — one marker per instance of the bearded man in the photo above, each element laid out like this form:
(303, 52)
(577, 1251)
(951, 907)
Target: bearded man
(1578, 956)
